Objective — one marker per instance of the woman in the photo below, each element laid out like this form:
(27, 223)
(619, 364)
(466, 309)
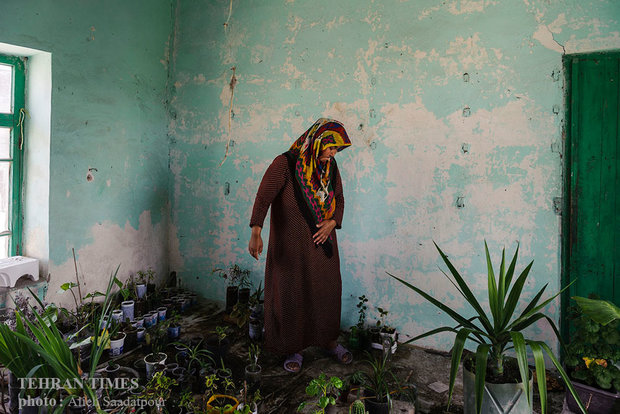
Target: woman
(302, 273)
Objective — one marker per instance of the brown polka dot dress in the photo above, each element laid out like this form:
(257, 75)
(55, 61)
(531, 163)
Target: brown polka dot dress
(302, 284)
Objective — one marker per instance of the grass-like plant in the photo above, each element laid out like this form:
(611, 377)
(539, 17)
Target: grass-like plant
(501, 332)
(49, 355)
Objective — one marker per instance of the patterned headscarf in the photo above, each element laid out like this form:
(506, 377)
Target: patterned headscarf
(314, 179)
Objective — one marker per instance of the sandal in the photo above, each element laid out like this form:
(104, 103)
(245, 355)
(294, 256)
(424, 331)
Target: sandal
(293, 359)
(341, 353)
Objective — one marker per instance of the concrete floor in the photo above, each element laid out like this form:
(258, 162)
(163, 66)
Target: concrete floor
(428, 370)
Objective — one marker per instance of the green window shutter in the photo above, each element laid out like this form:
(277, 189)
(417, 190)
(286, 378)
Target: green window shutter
(15, 121)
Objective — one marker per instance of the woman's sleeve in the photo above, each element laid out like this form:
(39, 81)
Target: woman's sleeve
(339, 212)
(272, 183)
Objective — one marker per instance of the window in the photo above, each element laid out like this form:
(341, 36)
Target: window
(12, 115)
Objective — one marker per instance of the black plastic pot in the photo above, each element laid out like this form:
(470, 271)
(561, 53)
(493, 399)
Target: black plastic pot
(218, 349)
(232, 296)
(375, 407)
(244, 295)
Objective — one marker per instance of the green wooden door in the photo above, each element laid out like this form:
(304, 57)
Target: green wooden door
(591, 225)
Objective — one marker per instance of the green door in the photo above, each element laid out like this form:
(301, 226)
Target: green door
(591, 225)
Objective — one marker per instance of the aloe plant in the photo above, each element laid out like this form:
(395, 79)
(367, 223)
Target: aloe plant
(502, 332)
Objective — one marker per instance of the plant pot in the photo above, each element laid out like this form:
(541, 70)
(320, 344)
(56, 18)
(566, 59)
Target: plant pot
(151, 360)
(220, 400)
(138, 322)
(389, 338)
(131, 339)
(253, 376)
(596, 400)
(219, 349)
(117, 315)
(243, 295)
(112, 370)
(504, 395)
(141, 290)
(139, 307)
(128, 310)
(104, 323)
(140, 335)
(253, 410)
(161, 313)
(148, 320)
(255, 329)
(375, 407)
(232, 296)
(116, 344)
(174, 331)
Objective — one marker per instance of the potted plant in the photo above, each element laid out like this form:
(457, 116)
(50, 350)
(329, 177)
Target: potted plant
(218, 343)
(159, 389)
(357, 407)
(253, 369)
(146, 278)
(494, 336)
(351, 382)
(173, 325)
(194, 359)
(325, 389)
(592, 353)
(117, 341)
(234, 276)
(357, 337)
(218, 397)
(49, 356)
(249, 403)
(384, 334)
(378, 384)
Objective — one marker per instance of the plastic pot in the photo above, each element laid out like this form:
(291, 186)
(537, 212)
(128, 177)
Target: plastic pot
(161, 313)
(116, 344)
(141, 290)
(174, 331)
(153, 359)
(117, 315)
(128, 309)
(596, 400)
(232, 296)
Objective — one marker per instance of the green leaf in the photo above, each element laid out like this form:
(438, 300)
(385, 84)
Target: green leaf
(457, 353)
(541, 376)
(492, 288)
(323, 401)
(521, 353)
(601, 311)
(66, 286)
(465, 291)
(482, 353)
(564, 376)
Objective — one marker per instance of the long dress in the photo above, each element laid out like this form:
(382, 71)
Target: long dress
(302, 285)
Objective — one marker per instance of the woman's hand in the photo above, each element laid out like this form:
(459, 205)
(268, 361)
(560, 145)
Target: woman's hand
(325, 229)
(256, 242)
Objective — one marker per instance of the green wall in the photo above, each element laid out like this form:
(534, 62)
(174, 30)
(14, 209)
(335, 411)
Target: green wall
(444, 101)
(441, 99)
(108, 118)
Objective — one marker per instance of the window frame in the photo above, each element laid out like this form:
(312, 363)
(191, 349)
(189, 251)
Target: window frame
(12, 121)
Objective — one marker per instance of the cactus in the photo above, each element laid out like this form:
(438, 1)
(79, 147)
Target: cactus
(357, 407)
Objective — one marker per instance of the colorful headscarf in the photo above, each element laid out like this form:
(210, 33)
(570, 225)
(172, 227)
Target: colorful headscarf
(315, 180)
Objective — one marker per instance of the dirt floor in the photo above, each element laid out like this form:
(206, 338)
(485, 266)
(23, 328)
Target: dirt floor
(425, 369)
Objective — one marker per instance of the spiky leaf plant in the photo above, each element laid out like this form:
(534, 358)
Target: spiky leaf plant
(502, 332)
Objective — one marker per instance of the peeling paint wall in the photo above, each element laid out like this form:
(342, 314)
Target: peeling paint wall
(455, 110)
(109, 145)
